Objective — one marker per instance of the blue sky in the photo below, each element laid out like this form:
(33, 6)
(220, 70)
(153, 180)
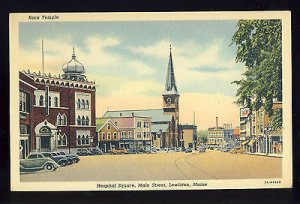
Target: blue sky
(130, 58)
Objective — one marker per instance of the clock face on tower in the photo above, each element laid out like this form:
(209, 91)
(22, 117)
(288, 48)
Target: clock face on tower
(168, 101)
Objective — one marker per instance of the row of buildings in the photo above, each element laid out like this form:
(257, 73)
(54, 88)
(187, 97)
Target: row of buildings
(59, 113)
(255, 133)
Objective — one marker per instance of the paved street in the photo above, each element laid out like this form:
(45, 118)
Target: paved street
(164, 166)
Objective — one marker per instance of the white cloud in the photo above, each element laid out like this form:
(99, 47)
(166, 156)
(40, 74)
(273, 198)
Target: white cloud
(140, 68)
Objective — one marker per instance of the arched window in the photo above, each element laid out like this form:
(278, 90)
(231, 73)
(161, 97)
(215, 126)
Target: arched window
(59, 142)
(55, 102)
(78, 140)
(87, 121)
(63, 119)
(83, 104)
(49, 101)
(87, 104)
(82, 120)
(58, 119)
(78, 120)
(78, 104)
(41, 102)
(64, 140)
(87, 140)
(83, 140)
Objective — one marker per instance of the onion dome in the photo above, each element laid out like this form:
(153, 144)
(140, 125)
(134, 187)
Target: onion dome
(74, 70)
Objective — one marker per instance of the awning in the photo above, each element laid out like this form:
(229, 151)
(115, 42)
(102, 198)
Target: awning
(244, 143)
(251, 142)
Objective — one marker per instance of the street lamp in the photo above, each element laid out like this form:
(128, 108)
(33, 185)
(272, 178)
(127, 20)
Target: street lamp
(91, 141)
(266, 131)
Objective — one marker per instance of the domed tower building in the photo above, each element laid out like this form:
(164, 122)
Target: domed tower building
(171, 103)
(63, 115)
(74, 70)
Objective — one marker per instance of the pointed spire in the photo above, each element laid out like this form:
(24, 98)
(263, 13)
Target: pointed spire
(73, 55)
(170, 86)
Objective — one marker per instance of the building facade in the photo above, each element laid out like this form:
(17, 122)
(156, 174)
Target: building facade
(188, 136)
(63, 109)
(124, 132)
(257, 134)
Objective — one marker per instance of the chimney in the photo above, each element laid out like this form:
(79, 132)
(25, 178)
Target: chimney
(217, 122)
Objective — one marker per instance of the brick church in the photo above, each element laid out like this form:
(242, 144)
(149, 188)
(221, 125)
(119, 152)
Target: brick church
(57, 112)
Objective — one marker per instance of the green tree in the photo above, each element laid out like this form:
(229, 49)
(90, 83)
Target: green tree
(202, 136)
(259, 47)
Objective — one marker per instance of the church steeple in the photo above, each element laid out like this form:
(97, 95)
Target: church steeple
(170, 86)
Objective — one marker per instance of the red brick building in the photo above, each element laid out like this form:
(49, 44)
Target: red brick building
(62, 109)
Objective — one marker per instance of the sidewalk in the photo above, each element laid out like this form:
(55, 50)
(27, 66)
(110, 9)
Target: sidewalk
(262, 154)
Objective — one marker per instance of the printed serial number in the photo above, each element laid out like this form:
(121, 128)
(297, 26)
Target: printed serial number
(272, 182)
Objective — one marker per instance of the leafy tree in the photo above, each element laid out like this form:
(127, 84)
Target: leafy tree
(202, 136)
(259, 47)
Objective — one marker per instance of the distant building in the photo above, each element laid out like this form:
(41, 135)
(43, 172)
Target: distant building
(188, 136)
(220, 136)
(124, 132)
(60, 111)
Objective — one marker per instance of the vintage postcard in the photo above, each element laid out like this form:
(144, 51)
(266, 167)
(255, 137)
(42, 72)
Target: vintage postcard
(150, 101)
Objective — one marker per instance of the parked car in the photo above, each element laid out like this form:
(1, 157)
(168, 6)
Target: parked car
(83, 152)
(74, 157)
(37, 162)
(188, 150)
(96, 151)
(119, 151)
(60, 160)
(237, 150)
(59, 155)
(202, 149)
(132, 151)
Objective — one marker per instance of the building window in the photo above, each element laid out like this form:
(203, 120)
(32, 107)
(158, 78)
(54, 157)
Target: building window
(55, 102)
(103, 135)
(138, 124)
(83, 140)
(87, 104)
(138, 134)
(123, 134)
(87, 139)
(87, 121)
(41, 101)
(63, 119)
(78, 140)
(23, 100)
(78, 104)
(115, 135)
(83, 104)
(144, 134)
(23, 129)
(108, 126)
(78, 120)
(130, 133)
(62, 140)
(50, 105)
(58, 120)
(83, 120)
(108, 135)
(146, 124)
